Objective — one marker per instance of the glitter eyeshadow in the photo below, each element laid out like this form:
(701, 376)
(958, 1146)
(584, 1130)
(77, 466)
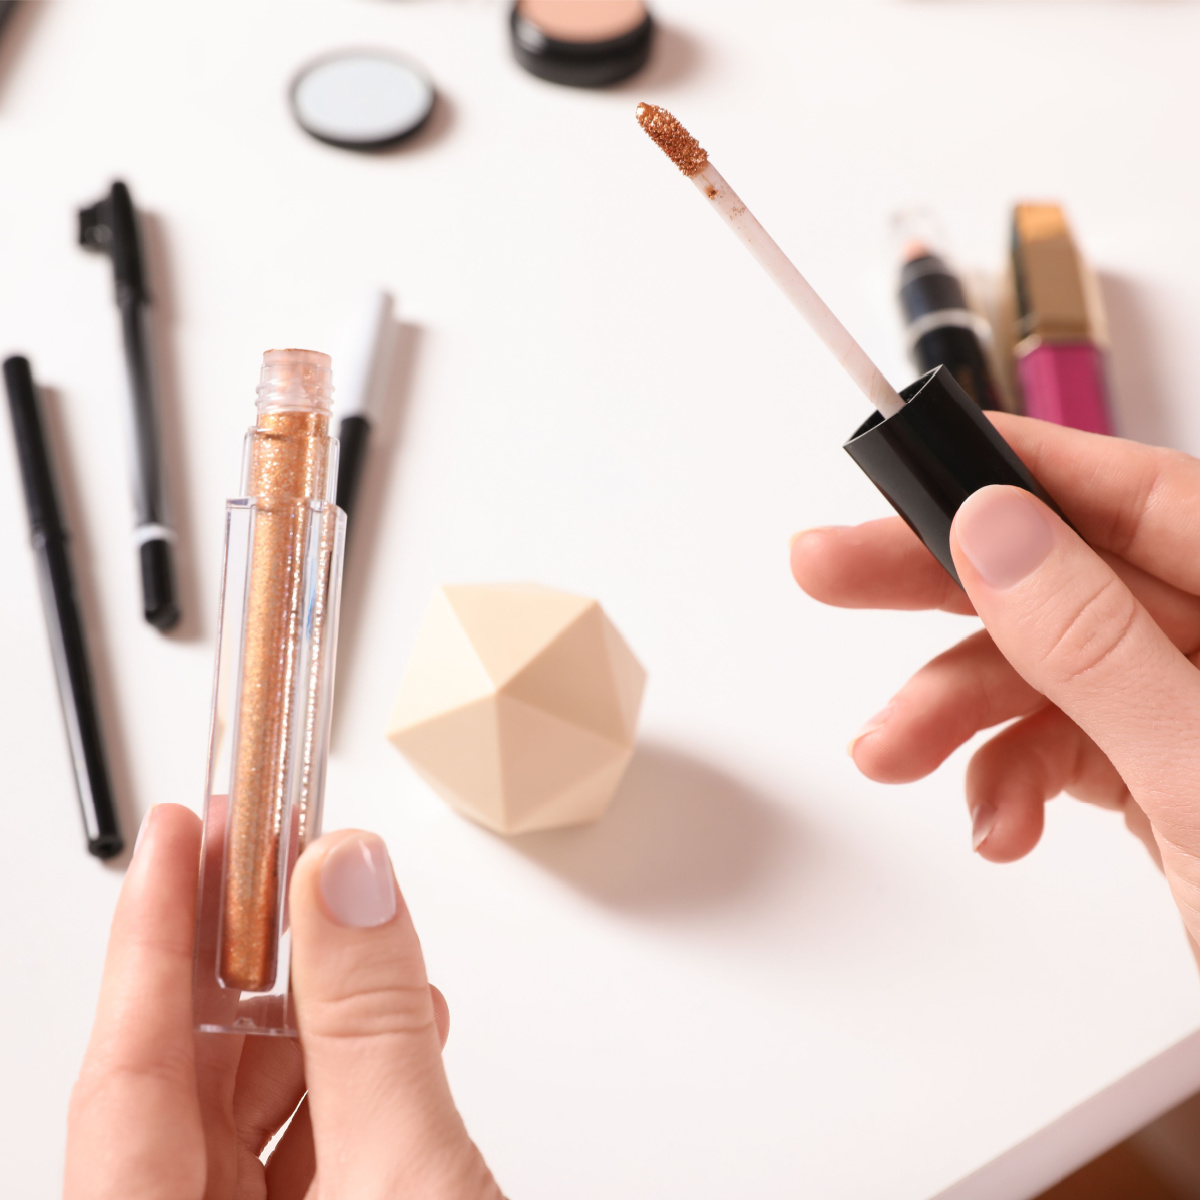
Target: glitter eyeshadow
(274, 685)
(672, 139)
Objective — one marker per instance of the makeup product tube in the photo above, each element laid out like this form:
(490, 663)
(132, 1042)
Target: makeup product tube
(940, 326)
(1059, 351)
(272, 697)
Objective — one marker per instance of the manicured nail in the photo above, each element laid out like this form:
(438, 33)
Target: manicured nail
(1005, 533)
(357, 884)
(876, 723)
(142, 829)
(982, 821)
(809, 532)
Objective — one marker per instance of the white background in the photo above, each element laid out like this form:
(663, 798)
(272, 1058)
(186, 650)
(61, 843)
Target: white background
(759, 975)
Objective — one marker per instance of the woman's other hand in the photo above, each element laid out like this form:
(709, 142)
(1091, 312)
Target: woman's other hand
(1089, 648)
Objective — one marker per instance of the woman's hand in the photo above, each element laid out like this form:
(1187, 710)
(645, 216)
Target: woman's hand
(1091, 653)
(162, 1114)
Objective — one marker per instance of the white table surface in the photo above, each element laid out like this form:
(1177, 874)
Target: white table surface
(760, 974)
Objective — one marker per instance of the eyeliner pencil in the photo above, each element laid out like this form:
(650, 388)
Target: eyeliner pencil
(49, 539)
(111, 225)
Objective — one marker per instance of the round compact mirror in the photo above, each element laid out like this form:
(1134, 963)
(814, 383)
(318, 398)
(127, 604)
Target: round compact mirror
(361, 99)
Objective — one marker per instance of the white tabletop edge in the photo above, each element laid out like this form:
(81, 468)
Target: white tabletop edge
(1088, 1130)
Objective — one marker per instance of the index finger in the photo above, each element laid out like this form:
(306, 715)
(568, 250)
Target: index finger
(879, 564)
(1142, 503)
(1136, 504)
(135, 1108)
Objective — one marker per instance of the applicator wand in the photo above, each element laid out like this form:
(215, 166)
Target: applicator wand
(928, 447)
(687, 154)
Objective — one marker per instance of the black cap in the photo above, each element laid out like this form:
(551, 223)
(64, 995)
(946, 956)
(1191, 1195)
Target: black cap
(932, 454)
(158, 584)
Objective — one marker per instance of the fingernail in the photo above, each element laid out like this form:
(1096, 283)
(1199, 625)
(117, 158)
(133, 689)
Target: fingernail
(357, 884)
(982, 820)
(809, 532)
(876, 723)
(1005, 533)
(142, 829)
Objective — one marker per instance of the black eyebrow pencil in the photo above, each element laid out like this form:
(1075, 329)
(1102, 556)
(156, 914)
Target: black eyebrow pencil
(57, 586)
(110, 225)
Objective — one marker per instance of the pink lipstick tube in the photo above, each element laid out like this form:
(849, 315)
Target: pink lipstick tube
(1064, 382)
(1060, 361)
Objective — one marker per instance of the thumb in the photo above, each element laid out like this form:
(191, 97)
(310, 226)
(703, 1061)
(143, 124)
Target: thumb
(1074, 631)
(383, 1120)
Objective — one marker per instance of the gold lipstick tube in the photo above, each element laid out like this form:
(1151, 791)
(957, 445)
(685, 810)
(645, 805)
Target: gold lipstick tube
(272, 697)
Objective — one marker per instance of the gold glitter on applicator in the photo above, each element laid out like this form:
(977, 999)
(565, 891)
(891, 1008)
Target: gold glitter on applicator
(672, 139)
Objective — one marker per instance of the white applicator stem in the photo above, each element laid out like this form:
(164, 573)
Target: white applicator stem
(799, 291)
(685, 152)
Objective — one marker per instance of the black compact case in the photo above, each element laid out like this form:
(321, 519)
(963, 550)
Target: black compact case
(929, 457)
(593, 63)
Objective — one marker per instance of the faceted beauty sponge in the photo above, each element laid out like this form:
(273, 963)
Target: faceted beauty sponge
(519, 706)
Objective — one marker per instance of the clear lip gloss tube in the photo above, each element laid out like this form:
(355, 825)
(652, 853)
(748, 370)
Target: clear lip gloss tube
(272, 697)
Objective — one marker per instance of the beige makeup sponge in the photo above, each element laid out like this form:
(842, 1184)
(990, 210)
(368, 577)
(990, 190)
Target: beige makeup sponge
(519, 705)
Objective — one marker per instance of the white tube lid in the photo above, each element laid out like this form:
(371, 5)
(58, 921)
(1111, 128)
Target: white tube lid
(365, 343)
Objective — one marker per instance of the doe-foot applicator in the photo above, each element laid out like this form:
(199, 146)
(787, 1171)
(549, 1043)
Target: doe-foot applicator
(928, 447)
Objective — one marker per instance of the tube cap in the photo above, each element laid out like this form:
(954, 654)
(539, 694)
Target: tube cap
(929, 457)
(158, 584)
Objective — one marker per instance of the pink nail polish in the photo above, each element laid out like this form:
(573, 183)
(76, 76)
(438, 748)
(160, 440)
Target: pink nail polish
(357, 884)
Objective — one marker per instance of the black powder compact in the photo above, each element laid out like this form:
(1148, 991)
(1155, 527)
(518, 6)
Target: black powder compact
(582, 43)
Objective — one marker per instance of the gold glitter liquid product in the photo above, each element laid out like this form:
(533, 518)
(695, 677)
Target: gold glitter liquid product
(272, 697)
